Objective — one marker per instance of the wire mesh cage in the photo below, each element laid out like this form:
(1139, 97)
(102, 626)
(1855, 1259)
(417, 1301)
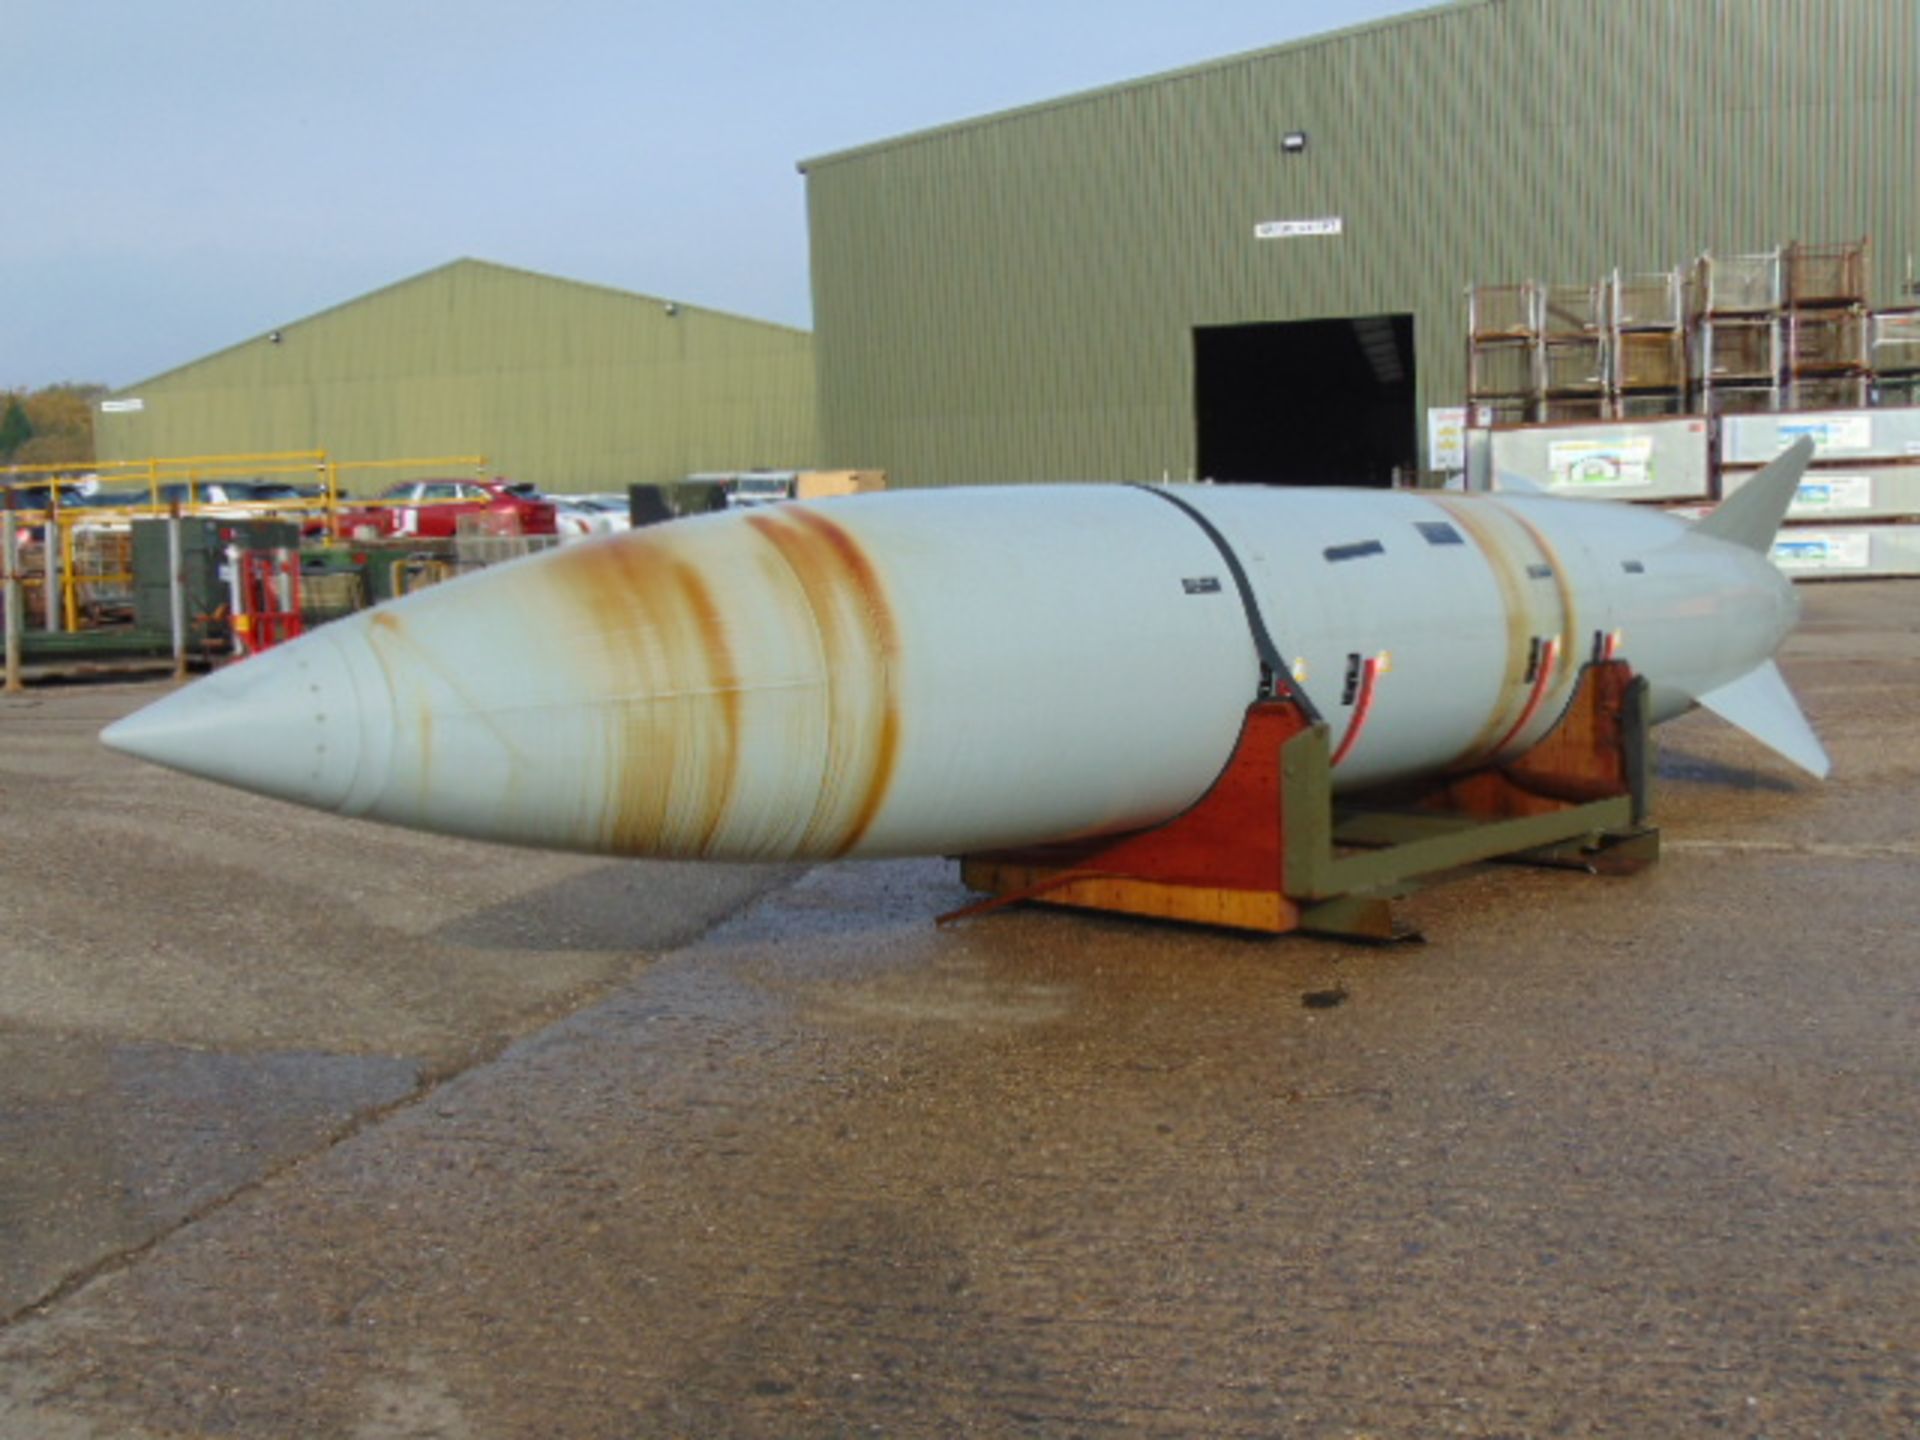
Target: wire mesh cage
(1735, 284)
(1828, 392)
(1740, 399)
(1503, 312)
(1572, 310)
(1649, 360)
(1897, 390)
(1574, 366)
(1737, 350)
(1645, 302)
(1562, 409)
(1497, 368)
(1649, 404)
(1826, 341)
(1894, 347)
(103, 572)
(1824, 275)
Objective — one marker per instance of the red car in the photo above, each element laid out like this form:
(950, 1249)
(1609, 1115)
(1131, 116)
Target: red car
(433, 508)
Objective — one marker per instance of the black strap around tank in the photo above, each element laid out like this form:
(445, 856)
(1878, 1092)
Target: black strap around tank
(1275, 676)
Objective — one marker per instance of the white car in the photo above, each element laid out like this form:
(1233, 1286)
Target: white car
(578, 515)
(618, 508)
(762, 487)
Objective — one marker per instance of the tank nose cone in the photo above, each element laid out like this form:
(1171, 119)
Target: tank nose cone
(285, 723)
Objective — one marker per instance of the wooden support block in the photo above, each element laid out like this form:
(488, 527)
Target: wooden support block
(1260, 850)
(1265, 910)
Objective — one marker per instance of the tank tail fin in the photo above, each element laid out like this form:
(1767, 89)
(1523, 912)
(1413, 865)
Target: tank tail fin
(1752, 514)
(1760, 703)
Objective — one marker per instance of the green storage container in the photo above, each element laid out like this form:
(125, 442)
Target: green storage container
(203, 560)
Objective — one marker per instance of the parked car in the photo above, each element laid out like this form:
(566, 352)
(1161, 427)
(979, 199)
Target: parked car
(39, 497)
(433, 508)
(227, 497)
(761, 487)
(280, 493)
(591, 514)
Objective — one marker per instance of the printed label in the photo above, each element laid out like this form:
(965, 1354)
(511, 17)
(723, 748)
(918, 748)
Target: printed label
(1832, 434)
(1584, 464)
(1824, 494)
(1821, 550)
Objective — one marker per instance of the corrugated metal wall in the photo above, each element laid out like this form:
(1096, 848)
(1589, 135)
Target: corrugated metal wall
(1015, 298)
(571, 386)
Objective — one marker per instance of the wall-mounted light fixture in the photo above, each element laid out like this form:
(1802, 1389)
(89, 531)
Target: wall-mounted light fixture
(274, 337)
(1294, 142)
(671, 308)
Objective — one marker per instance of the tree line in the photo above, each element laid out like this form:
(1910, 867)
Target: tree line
(49, 426)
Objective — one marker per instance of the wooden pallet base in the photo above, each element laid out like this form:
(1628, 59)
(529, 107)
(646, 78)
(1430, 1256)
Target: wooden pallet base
(1267, 849)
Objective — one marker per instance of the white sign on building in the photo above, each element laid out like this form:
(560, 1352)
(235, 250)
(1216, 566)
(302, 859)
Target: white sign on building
(1447, 437)
(1295, 229)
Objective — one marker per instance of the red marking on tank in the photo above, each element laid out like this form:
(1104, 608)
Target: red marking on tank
(1542, 679)
(1362, 707)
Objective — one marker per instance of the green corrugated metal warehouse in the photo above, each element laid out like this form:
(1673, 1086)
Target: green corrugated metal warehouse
(573, 387)
(1082, 289)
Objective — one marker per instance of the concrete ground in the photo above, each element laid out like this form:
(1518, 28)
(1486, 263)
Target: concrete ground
(312, 1129)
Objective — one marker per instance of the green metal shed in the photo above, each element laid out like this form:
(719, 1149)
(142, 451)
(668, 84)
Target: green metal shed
(574, 387)
(1268, 255)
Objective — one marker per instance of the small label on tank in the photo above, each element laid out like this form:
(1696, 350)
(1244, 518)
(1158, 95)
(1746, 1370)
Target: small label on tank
(1202, 585)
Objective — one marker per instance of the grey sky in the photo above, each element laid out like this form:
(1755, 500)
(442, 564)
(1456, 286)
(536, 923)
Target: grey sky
(188, 173)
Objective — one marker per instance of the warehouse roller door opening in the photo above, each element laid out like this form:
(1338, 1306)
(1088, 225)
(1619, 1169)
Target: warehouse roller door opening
(1308, 402)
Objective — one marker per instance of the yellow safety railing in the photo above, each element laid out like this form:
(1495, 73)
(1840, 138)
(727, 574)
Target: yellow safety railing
(140, 482)
(77, 468)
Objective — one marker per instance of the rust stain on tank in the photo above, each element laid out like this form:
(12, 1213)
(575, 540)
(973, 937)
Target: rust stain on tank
(385, 634)
(1568, 661)
(670, 689)
(721, 713)
(1509, 573)
(652, 619)
(860, 646)
(1568, 611)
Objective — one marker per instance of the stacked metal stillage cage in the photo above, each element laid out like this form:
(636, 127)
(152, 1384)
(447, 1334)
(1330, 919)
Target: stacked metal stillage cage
(1503, 335)
(1647, 343)
(1734, 307)
(1551, 354)
(1711, 372)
